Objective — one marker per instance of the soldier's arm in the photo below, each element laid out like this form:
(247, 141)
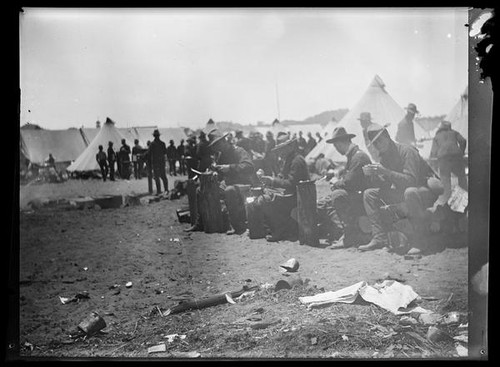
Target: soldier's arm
(355, 175)
(245, 165)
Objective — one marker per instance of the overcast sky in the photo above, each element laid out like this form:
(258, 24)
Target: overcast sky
(180, 67)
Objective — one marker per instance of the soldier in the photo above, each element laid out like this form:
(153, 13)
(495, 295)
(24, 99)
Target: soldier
(102, 162)
(448, 148)
(111, 161)
(203, 153)
(270, 160)
(234, 166)
(345, 204)
(280, 196)
(311, 143)
(402, 176)
(124, 157)
(172, 158)
(181, 157)
(190, 156)
(136, 159)
(406, 130)
(302, 144)
(157, 151)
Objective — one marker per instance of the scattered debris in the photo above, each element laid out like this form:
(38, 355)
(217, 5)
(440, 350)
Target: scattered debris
(172, 337)
(85, 268)
(288, 283)
(128, 285)
(267, 286)
(345, 338)
(314, 341)
(408, 320)
(92, 324)
(430, 318)
(265, 324)
(462, 338)
(207, 302)
(390, 295)
(157, 348)
(461, 350)
(76, 298)
(229, 299)
(114, 286)
(291, 266)
(434, 334)
(451, 318)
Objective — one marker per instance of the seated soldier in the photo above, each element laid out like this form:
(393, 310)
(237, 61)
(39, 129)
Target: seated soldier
(402, 177)
(234, 166)
(280, 196)
(344, 205)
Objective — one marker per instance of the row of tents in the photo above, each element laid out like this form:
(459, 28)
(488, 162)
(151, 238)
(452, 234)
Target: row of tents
(67, 146)
(385, 110)
(77, 147)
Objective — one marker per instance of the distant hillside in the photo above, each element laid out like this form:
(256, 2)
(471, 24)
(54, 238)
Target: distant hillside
(322, 118)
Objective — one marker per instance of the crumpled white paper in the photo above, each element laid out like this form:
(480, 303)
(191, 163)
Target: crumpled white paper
(390, 295)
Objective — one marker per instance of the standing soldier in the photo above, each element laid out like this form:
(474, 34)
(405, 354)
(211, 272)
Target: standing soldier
(102, 162)
(146, 157)
(406, 130)
(124, 156)
(136, 159)
(191, 158)
(172, 158)
(181, 156)
(203, 153)
(111, 161)
(157, 151)
(448, 147)
(270, 160)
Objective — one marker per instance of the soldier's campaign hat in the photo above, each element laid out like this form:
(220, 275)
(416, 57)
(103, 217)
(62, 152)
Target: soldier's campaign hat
(215, 136)
(374, 131)
(365, 116)
(339, 133)
(283, 140)
(412, 108)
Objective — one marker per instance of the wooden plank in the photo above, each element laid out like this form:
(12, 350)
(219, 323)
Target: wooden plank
(307, 216)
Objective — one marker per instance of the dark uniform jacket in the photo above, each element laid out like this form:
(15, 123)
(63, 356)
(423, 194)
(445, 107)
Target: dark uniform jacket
(171, 152)
(407, 167)
(203, 154)
(294, 170)
(111, 155)
(406, 132)
(157, 151)
(101, 157)
(353, 178)
(241, 170)
(448, 143)
(124, 153)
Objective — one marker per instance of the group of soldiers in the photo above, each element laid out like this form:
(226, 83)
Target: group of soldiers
(390, 180)
(125, 160)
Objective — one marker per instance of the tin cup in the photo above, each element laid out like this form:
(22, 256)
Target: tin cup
(92, 324)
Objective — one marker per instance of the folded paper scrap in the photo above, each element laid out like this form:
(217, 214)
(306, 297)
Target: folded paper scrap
(390, 295)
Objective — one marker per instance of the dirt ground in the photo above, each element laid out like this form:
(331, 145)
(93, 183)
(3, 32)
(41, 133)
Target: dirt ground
(65, 252)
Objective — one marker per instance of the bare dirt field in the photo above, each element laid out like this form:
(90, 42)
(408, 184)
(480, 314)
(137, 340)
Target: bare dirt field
(66, 252)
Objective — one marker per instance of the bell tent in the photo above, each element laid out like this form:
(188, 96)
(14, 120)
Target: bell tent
(384, 110)
(86, 161)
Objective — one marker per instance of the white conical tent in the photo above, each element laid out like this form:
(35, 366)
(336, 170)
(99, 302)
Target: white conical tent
(86, 161)
(383, 109)
(323, 145)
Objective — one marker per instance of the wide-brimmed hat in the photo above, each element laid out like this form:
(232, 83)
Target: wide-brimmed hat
(156, 132)
(283, 140)
(339, 133)
(374, 131)
(412, 108)
(215, 136)
(365, 116)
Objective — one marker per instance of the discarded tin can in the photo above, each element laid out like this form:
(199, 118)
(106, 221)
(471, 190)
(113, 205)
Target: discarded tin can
(291, 265)
(92, 324)
(288, 283)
